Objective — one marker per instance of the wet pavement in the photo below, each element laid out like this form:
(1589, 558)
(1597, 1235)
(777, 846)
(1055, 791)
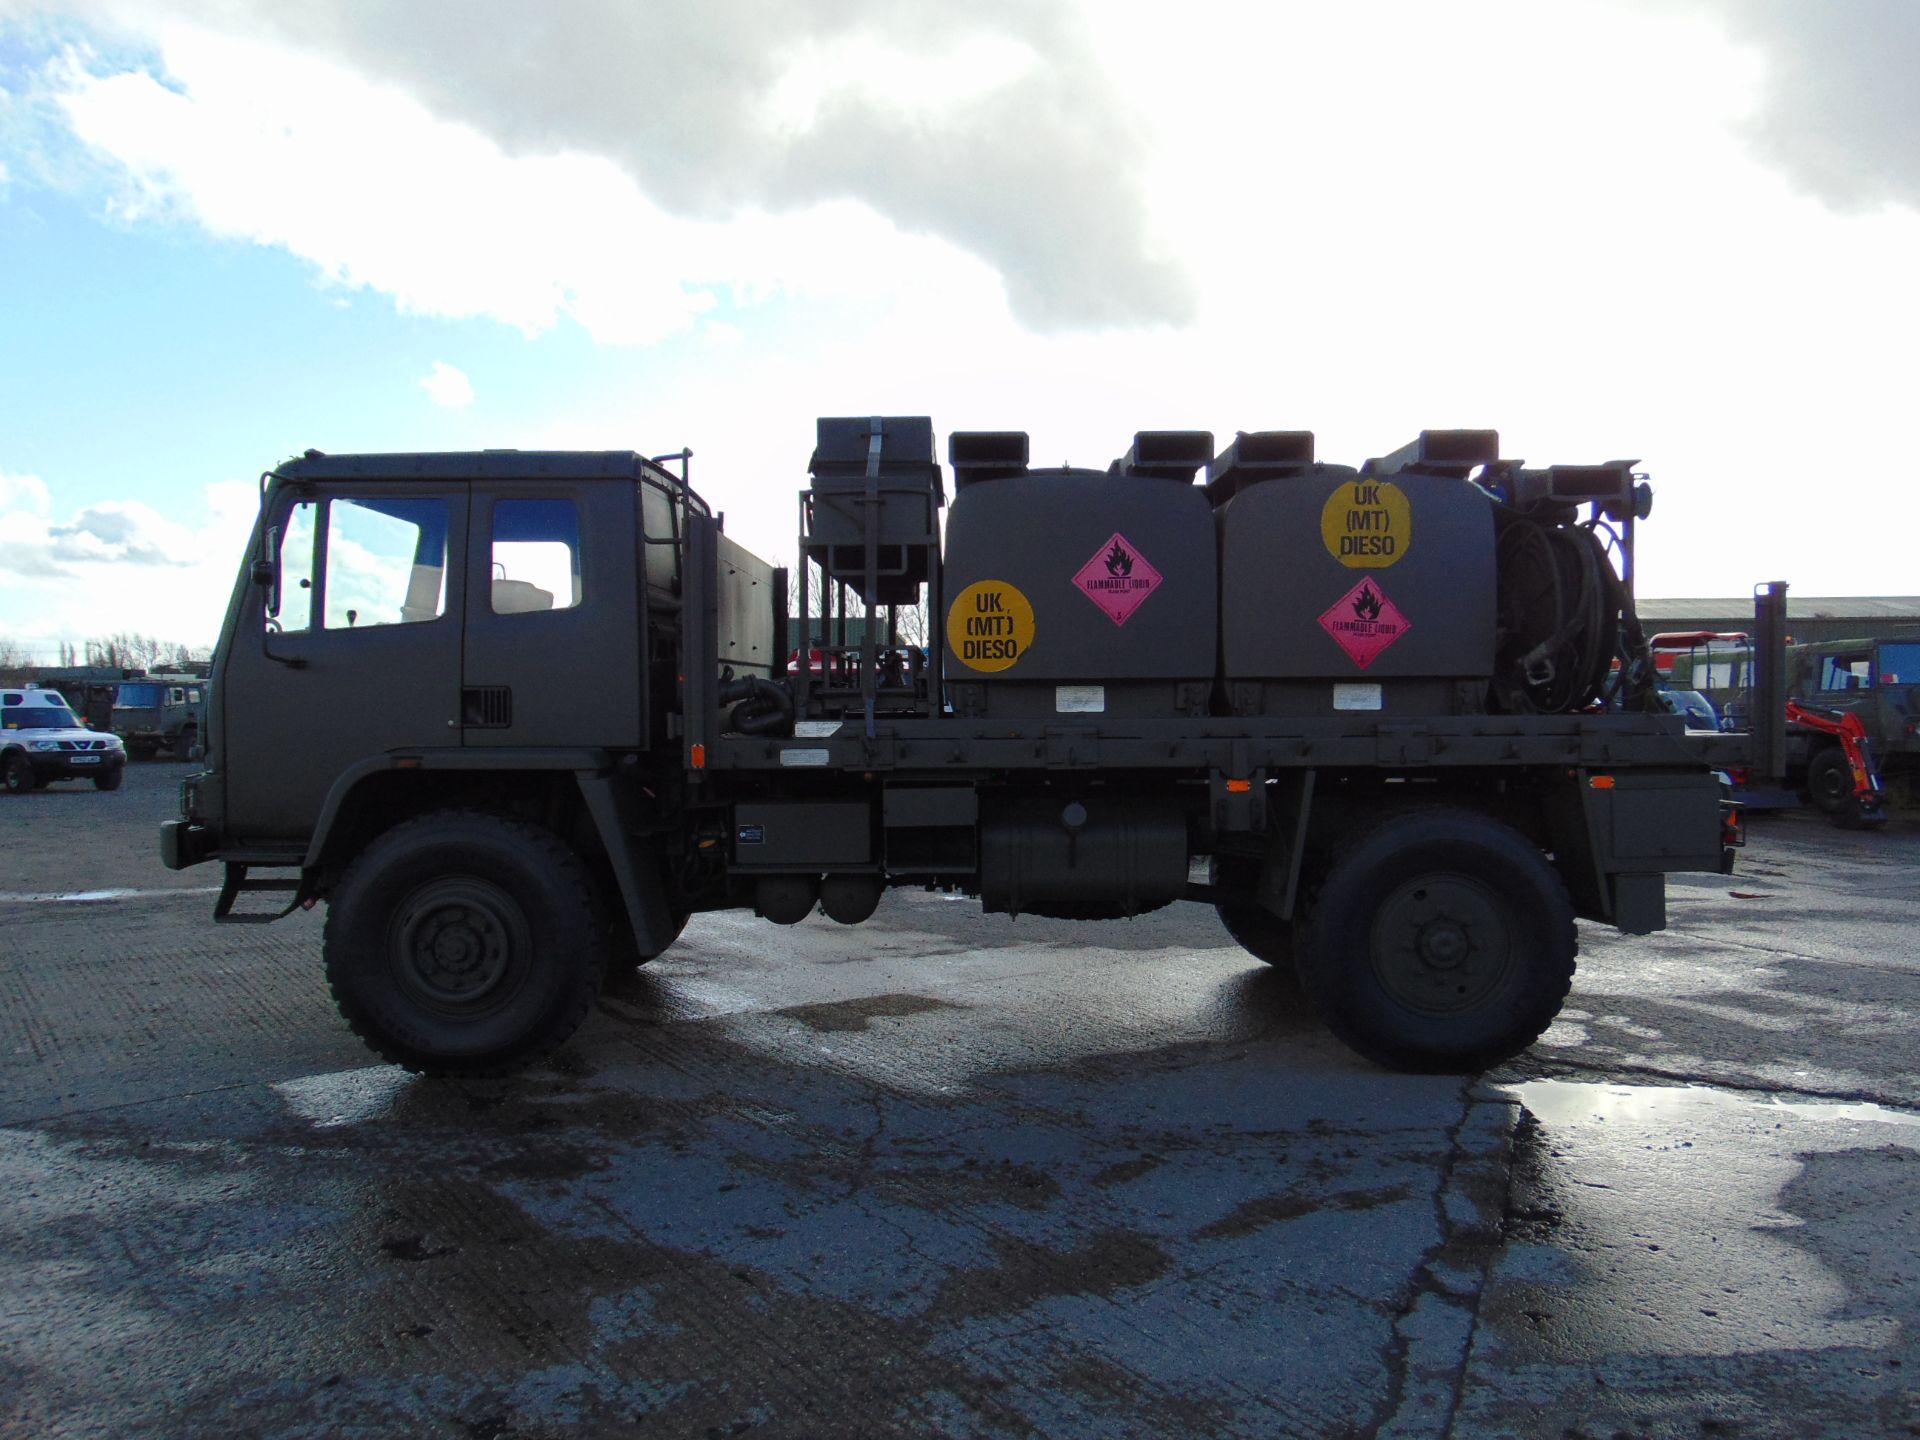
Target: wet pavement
(948, 1174)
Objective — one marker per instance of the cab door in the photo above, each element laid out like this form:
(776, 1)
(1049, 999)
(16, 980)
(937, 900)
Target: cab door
(350, 653)
(552, 615)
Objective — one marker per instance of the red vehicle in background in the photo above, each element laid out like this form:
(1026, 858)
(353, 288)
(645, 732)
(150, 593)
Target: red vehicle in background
(1850, 792)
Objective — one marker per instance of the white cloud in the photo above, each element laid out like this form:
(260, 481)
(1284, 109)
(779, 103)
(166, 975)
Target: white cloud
(117, 565)
(976, 124)
(254, 140)
(1547, 219)
(447, 386)
(24, 492)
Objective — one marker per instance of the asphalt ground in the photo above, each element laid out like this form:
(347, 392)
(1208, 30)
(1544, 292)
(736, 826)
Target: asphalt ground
(947, 1174)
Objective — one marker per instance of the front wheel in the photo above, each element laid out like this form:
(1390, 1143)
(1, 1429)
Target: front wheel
(109, 779)
(1830, 781)
(464, 944)
(16, 774)
(1440, 941)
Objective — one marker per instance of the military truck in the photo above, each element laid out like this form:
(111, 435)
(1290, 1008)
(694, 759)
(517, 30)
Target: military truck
(1876, 678)
(1370, 714)
(155, 712)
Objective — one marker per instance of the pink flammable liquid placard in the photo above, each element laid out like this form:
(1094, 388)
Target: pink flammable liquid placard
(1363, 622)
(1118, 578)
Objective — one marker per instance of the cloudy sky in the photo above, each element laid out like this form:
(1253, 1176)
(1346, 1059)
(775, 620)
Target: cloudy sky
(1683, 231)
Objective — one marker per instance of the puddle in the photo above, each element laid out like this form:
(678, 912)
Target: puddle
(1689, 1220)
(345, 1097)
(95, 897)
(1580, 1102)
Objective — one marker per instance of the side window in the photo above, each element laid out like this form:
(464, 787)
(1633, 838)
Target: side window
(1845, 672)
(295, 610)
(1900, 664)
(386, 562)
(535, 555)
(657, 515)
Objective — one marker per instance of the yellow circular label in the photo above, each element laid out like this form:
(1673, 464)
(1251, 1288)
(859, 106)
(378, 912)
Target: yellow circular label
(1367, 524)
(989, 625)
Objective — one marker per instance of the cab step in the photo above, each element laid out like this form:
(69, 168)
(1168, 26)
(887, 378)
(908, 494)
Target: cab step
(238, 882)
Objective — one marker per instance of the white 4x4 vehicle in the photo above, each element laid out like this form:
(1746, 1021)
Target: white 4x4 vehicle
(40, 741)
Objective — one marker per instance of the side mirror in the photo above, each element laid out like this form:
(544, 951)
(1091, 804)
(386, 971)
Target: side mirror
(265, 572)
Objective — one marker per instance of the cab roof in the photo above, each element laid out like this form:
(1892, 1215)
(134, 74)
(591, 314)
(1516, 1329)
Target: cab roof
(317, 466)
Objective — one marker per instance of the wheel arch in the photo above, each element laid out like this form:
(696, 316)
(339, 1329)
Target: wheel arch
(572, 794)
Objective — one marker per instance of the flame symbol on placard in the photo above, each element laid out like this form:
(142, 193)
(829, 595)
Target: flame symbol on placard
(1367, 605)
(1119, 562)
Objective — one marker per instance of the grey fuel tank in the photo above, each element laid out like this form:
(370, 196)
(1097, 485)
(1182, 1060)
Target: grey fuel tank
(1076, 592)
(1343, 589)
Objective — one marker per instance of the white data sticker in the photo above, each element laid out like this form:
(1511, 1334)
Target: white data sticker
(805, 757)
(1079, 699)
(815, 729)
(1357, 697)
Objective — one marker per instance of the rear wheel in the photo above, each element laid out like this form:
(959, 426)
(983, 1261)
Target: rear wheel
(1260, 932)
(1256, 929)
(1440, 941)
(16, 774)
(623, 951)
(464, 944)
(1830, 780)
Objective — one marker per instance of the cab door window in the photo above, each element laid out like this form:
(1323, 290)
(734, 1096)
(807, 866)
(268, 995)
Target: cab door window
(1852, 671)
(535, 556)
(291, 608)
(386, 562)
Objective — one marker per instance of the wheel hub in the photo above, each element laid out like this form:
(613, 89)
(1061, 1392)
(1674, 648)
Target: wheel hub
(1441, 943)
(455, 943)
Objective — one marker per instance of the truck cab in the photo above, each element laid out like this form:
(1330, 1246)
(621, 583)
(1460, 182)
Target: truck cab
(161, 712)
(1877, 679)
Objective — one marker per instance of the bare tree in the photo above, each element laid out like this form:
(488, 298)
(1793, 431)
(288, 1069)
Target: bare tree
(126, 651)
(15, 659)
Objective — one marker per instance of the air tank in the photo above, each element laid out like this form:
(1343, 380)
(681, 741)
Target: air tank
(1080, 593)
(1354, 590)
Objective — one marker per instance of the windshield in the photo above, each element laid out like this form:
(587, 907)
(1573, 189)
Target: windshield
(137, 695)
(40, 717)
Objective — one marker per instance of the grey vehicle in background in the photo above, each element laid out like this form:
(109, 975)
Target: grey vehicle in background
(161, 712)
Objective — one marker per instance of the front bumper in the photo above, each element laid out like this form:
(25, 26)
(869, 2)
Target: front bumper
(183, 843)
(75, 765)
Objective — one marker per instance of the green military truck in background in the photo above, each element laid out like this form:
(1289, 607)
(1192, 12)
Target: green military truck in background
(1392, 721)
(156, 712)
(1876, 678)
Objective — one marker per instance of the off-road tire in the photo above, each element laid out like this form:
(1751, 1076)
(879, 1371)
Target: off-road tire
(109, 779)
(1830, 780)
(464, 943)
(1256, 929)
(1439, 941)
(16, 774)
(623, 951)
